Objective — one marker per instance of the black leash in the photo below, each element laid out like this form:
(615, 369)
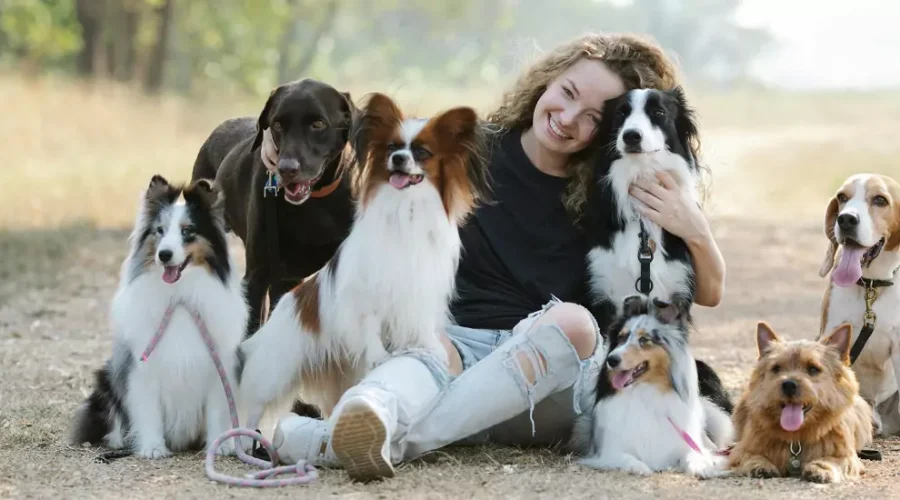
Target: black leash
(644, 284)
(871, 294)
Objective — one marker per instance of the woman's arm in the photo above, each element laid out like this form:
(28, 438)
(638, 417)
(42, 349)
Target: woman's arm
(674, 209)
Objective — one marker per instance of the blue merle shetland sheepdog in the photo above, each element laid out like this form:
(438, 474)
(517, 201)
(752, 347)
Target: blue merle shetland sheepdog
(649, 380)
(174, 400)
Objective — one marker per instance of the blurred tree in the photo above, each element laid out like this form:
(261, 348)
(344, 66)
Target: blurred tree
(252, 45)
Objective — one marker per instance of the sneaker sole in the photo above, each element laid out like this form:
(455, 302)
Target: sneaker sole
(357, 440)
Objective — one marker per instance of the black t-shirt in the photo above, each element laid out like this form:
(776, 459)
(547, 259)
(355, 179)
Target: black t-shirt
(521, 248)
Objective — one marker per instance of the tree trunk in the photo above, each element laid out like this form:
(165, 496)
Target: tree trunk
(91, 29)
(156, 69)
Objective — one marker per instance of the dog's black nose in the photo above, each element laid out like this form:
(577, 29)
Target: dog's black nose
(789, 388)
(398, 160)
(632, 137)
(165, 256)
(288, 167)
(613, 361)
(848, 221)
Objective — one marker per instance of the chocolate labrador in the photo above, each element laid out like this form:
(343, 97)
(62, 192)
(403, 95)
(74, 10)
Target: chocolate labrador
(292, 219)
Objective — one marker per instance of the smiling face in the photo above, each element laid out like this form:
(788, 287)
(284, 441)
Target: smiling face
(566, 116)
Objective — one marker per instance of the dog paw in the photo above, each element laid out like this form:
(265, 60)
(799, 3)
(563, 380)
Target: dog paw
(764, 473)
(819, 472)
(153, 452)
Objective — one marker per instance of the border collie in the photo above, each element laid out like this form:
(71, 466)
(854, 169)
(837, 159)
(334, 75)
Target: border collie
(389, 285)
(649, 415)
(642, 132)
(174, 399)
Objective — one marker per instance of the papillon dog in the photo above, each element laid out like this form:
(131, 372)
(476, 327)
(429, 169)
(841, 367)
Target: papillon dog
(642, 132)
(389, 284)
(649, 415)
(174, 399)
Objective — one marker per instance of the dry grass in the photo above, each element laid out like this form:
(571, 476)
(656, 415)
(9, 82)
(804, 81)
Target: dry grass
(77, 157)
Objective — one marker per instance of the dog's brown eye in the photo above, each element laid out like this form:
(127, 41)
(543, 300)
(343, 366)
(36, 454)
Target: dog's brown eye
(776, 369)
(880, 201)
(318, 125)
(659, 113)
(421, 154)
(842, 198)
(813, 370)
(643, 341)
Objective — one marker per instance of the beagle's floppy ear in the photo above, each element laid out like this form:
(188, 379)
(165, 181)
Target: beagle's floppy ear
(893, 242)
(262, 123)
(830, 218)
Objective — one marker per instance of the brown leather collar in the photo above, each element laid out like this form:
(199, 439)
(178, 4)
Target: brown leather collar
(327, 190)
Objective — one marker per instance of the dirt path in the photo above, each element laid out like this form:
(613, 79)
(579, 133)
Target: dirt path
(53, 333)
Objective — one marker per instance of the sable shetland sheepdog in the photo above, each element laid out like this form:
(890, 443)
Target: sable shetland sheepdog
(642, 132)
(174, 400)
(650, 381)
(389, 285)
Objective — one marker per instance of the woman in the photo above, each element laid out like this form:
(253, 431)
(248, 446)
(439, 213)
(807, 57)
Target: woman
(523, 360)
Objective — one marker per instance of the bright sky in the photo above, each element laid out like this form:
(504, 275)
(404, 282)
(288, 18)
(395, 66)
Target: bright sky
(828, 43)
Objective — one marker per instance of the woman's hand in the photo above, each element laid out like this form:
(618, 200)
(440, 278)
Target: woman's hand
(670, 204)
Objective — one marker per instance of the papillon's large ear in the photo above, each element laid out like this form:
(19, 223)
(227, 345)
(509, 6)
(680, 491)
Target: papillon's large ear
(830, 218)
(379, 115)
(765, 337)
(262, 123)
(457, 125)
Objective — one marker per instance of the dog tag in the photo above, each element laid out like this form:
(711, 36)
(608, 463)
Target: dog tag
(794, 469)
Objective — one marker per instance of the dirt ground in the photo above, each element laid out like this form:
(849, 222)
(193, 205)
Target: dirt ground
(53, 333)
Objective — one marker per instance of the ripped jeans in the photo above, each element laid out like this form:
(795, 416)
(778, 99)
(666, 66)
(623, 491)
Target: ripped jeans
(492, 401)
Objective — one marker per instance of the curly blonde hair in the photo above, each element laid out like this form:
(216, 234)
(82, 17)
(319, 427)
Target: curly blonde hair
(637, 61)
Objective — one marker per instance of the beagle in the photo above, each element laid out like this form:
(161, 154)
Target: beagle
(862, 223)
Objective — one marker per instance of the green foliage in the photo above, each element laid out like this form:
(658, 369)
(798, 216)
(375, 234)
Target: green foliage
(41, 31)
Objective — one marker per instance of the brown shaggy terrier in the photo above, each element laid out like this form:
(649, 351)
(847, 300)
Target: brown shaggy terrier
(801, 414)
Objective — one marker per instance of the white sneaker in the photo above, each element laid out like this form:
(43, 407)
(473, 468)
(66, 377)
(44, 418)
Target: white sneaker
(362, 438)
(302, 438)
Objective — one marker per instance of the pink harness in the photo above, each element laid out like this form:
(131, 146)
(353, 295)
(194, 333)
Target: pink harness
(304, 472)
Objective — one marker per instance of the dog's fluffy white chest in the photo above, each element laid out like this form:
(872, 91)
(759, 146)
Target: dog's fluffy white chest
(179, 374)
(614, 272)
(396, 272)
(636, 423)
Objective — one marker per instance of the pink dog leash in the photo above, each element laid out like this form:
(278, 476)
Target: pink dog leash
(693, 444)
(304, 472)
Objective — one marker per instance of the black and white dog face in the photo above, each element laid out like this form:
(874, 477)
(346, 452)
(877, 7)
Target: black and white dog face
(648, 122)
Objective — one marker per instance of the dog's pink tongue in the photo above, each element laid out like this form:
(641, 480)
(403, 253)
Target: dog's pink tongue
(620, 379)
(791, 417)
(849, 269)
(399, 181)
(170, 275)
